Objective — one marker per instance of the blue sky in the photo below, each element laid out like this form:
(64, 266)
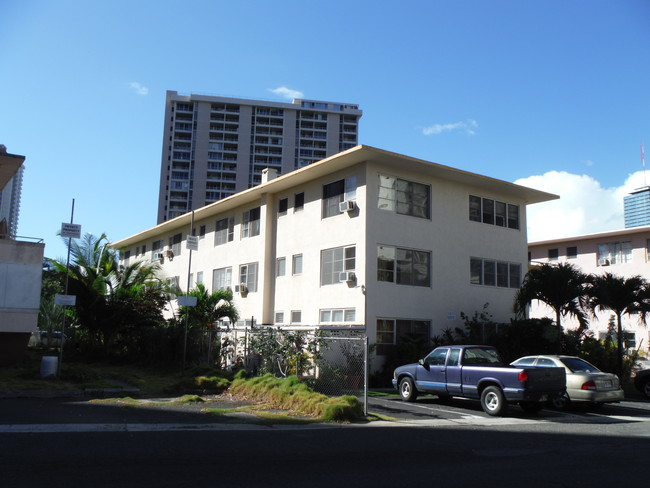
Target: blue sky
(553, 94)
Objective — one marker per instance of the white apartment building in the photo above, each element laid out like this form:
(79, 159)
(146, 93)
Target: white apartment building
(623, 253)
(214, 147)
(367, 238)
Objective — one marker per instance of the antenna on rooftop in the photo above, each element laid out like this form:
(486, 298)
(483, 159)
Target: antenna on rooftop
(643, 164)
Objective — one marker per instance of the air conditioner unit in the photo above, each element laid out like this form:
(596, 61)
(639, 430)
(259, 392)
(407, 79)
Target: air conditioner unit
(241, 288)
(346, 276)
(346, 206)
(158, 256)
(169, 254)
(603, 262)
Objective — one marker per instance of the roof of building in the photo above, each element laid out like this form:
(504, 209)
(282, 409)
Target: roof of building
(597, 235)
(332, 164)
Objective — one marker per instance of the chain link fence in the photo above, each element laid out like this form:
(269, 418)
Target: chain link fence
(330, 362)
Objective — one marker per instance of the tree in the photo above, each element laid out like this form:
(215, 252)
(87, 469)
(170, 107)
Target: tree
(110, 298)
(621, 296)
(562, 287)
(209, 309)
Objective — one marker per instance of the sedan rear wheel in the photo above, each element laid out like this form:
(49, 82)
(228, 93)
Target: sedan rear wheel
(645, 388)
(561, 401)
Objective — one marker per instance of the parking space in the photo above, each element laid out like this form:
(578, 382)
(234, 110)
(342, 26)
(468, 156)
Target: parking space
(430, 408)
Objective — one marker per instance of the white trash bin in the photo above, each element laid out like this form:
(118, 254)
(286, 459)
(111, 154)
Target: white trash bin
(49, 365)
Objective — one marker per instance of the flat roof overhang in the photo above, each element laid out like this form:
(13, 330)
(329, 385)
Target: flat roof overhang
(338, 162)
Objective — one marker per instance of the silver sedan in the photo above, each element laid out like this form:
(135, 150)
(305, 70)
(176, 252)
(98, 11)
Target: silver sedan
(584, 381)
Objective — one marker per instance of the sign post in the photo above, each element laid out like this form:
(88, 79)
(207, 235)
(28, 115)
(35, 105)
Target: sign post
(71, 231)
(192, 244)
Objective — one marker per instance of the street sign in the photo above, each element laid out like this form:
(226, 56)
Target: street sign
(192, 243)
(71, 230)
(65, 300)
(186, 301)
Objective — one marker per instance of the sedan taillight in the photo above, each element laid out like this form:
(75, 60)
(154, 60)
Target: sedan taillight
(523, 376)
(589, 385)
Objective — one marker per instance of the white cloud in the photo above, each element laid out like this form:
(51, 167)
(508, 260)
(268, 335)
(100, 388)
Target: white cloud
(436, 129)
(584, 207)
(285, 92)
(138, 88)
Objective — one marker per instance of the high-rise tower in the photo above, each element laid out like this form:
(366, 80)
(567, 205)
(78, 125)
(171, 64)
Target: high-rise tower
(214, 147)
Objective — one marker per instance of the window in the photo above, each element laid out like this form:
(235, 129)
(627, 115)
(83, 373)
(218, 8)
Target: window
(279, 317)
(296, 316)
(199, 277)
(614, 253)
(488, 211)
(221, 278)
(572, 252)
(175, 244)
(493, 212)
(225, 231)
(297, 264)
(404, 197)
(403, 266)
(337, 315)
(396, 331)
(553, 254)
(500, 217)
(202, 232)
(248, 276)
(337, 192)
(298, 202)
(281, 265)
(334, 261)
(494, 273)
(251, 223)
(283, 205)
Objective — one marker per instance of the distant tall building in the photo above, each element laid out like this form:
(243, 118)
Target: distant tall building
(214, 147)
(637, 208)
(10, 193)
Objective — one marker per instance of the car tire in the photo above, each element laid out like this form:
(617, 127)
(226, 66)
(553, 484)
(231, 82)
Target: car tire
(493, 402)
(645, 388)
(407, 390)
(561, 401)
(531, 407)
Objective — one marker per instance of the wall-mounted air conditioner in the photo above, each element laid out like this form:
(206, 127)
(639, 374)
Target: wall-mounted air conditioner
(346, 206)
(346, 276)
(241, 288)
(157, 256)
(603, 262)
(169, 254)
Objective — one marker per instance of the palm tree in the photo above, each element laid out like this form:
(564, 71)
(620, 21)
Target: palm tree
(210, 308)
(621, 296)
(562, 287)
(103, 288)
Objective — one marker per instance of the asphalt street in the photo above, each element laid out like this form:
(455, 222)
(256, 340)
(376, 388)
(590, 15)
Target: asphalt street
(71, 442)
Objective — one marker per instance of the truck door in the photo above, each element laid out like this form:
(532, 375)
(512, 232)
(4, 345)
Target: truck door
(431, 377)
(454, 380)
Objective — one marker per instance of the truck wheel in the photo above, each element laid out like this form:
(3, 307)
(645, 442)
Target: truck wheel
(493, 401)
(407, 390)
(530, 407)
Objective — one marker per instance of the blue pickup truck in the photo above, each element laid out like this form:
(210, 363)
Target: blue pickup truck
(477, 372)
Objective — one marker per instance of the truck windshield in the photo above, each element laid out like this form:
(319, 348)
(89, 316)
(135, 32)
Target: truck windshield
(479, 356)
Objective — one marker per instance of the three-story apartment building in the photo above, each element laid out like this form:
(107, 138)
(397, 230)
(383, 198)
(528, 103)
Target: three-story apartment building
(366, 238)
